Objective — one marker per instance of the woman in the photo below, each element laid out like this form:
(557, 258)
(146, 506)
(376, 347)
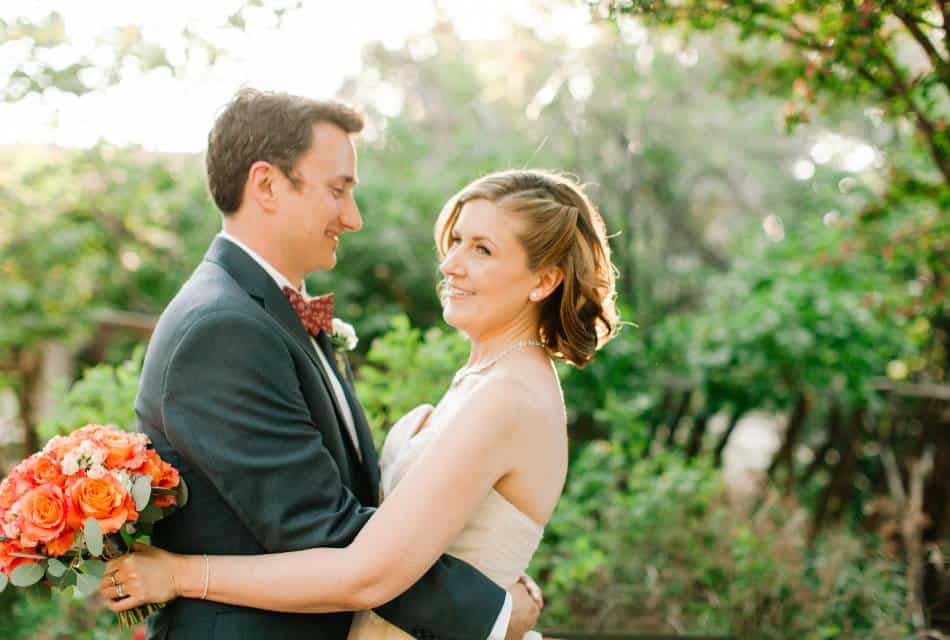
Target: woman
(528, 278)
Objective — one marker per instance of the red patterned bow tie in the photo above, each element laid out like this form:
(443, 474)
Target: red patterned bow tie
(315, 313)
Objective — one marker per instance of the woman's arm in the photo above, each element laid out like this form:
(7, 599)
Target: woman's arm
(478, 446)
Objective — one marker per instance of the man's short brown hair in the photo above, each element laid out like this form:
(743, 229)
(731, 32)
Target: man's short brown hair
(273, 127)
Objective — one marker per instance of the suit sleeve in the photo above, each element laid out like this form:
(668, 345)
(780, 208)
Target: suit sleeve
(233, 406)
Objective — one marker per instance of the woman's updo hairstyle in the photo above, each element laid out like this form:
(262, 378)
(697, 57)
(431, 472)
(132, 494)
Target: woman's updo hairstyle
(560, 228)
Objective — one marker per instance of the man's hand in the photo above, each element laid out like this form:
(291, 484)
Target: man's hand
(524, 612)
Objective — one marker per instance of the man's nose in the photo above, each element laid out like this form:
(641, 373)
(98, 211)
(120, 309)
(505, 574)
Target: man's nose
(351, 218)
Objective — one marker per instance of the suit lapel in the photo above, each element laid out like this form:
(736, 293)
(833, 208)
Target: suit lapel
(363, 432)
(260, 286)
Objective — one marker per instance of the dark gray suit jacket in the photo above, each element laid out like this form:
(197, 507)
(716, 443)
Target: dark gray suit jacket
(232, 394)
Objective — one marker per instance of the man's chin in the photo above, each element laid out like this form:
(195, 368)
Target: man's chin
(326, 263)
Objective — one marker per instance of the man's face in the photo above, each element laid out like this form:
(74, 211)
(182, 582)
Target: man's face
(315, 214)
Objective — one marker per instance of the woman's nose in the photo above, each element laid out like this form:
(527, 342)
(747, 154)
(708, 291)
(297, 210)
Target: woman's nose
(451, 265)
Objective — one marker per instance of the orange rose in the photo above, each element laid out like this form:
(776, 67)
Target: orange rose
(164, 476)
(42, 513)
(101, 498)
(62, 544)
(7, 562)
(126, 450)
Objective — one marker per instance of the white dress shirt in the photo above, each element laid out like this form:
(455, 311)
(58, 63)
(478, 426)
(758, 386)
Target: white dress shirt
(500, 629)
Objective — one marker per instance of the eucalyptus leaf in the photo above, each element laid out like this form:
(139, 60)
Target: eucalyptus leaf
(55, 568)
(182, 493)
(141, 492)
(86, 585)
(3, 581)
(92, 533)
(150, 515)
(126, 538)
(27, 574)
(94, 567)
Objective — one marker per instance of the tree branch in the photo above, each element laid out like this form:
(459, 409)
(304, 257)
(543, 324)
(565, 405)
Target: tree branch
(945, 12)
(940, 64)
(923, 122)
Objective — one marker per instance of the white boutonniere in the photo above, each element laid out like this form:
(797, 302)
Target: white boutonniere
(343, 339)
(344, 336)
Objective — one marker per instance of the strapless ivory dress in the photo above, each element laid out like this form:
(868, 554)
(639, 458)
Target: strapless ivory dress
(499, 540)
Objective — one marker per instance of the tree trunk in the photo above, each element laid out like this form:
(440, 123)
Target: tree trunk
(40, 369)
(785, 455)
(697, 433)
(681, 408)
(724, 439)
(841, 485)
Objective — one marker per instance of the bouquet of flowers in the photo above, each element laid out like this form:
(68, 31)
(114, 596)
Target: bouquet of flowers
(84, 499)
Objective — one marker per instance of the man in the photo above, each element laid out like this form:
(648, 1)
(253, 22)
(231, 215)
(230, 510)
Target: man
(246, 401)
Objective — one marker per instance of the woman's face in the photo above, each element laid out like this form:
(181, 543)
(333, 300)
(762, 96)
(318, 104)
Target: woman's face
(487, 283)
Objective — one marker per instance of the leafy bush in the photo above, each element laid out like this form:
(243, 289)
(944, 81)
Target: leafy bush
(655, 546)
(104, 395)
(407, 367)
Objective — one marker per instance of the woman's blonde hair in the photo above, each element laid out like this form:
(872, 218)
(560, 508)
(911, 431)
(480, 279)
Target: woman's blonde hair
(561, 228)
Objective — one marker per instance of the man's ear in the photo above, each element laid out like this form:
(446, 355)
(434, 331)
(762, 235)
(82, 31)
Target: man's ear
(260, 185)
(548, 280)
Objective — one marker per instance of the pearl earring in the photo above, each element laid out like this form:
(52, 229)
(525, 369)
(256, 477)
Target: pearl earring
(534, 295)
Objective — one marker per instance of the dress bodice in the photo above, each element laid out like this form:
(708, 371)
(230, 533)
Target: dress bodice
(498, 540)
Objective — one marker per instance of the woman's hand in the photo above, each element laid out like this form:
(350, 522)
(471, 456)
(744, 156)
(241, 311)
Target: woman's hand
(145, 575)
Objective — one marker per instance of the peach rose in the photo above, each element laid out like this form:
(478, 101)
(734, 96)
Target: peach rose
(46, 469)
(14, 486)
(59, 446)
(101, 498)
(126, 450)
(42, 514)
(62, 544)
(164, 476)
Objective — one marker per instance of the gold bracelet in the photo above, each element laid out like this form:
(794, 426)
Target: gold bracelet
(204, 594)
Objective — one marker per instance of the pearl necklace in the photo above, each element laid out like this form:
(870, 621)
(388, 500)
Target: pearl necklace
(465, 372)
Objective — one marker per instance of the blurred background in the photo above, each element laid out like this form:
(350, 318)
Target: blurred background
(764, 452)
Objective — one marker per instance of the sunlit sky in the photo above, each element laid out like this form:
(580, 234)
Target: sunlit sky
(310, 54)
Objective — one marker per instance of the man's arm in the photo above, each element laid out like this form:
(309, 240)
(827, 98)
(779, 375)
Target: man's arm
(232, 405)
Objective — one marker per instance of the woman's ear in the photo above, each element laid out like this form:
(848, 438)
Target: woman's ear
(548, 281)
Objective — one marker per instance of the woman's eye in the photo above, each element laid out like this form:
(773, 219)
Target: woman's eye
(454, 241)
(483, 250)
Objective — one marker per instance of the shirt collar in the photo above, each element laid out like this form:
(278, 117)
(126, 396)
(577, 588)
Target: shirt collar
(277, 276)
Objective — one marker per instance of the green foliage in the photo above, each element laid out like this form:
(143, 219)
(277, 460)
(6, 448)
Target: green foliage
(38, 614)
(407, 367)
(105, 394)
(104, 228)
(826, 53)
(654, 545)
